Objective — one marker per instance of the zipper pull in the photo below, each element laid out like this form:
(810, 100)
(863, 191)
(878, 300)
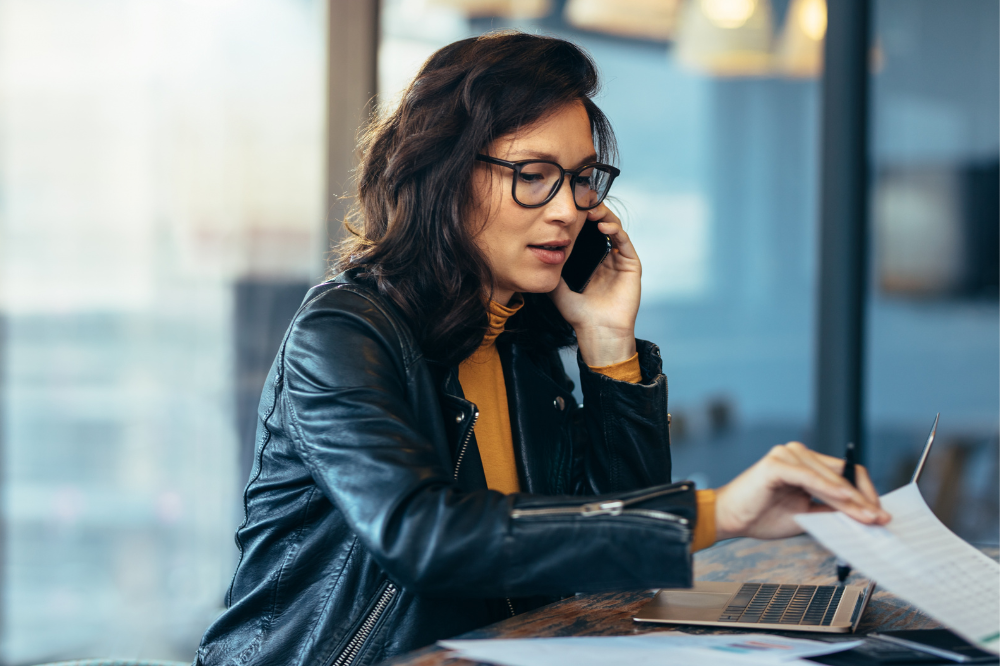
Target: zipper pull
(611, 508)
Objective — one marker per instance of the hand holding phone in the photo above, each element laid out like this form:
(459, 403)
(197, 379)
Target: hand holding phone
(589, 250)
(599, 293)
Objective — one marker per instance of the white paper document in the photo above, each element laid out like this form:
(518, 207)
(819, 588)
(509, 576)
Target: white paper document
(667, 648)
(920, 560)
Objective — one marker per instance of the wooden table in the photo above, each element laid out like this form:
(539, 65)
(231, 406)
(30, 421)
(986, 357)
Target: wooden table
(795, 560)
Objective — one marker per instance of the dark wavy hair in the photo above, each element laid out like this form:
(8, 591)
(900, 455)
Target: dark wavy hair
(409, 232)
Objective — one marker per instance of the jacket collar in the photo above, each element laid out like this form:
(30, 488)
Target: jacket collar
(540, 410)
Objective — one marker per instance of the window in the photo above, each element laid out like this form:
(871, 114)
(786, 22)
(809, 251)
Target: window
(154, 155)
(933, 315)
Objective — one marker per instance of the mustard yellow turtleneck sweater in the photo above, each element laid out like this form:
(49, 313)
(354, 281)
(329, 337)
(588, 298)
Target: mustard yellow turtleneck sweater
(481, 377)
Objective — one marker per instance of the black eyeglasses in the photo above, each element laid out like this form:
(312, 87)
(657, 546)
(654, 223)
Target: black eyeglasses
(536, 182)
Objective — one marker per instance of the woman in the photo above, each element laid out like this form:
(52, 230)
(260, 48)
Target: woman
(422, 468)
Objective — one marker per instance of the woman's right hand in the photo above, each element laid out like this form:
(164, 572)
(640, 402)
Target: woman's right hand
(762, 501)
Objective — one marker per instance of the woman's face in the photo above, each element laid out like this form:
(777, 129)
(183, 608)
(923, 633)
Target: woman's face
(527, 247)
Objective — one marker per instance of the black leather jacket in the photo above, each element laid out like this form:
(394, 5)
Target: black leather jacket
(369, 528)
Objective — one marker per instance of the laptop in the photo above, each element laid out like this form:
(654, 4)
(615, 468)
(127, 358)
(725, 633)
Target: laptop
(788, 607)
(784, 606)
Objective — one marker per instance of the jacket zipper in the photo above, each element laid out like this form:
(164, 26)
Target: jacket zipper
(465, 444)
(350, 652)
(609, 508)
(458, 463)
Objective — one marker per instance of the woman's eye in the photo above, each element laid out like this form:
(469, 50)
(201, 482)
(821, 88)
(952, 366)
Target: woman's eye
(531, 177)
(582, 182)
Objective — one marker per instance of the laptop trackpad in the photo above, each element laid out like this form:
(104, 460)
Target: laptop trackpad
(691, 605)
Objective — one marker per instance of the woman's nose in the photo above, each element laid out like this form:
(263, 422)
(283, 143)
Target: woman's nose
(562, 207)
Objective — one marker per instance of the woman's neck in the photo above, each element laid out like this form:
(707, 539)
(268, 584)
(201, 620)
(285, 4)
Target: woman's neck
(502, 296)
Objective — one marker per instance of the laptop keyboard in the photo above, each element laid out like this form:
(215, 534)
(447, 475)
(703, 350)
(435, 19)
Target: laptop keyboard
(767, 603)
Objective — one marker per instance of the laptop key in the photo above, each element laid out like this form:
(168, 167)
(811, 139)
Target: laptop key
(817, 607)
(779, 604)
(832, 608)
(759, 604)
(797, 606)
(739, 602)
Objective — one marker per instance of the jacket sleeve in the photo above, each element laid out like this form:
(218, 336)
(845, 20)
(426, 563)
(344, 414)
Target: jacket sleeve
(621, 432)
(346, 398)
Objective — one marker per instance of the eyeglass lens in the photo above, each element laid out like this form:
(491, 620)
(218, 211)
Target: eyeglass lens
(538, 180)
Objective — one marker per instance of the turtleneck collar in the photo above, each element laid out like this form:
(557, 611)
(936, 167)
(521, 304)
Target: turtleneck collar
(499, 314)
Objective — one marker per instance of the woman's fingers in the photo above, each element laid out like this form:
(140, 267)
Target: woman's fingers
(865, 484)
(829, 491)
(609, 224)
(620, 242)
(833, 468)
(861, 476)
(818, 479)
(812, 460)
(761, 501)
(796, 454)
(837, 465)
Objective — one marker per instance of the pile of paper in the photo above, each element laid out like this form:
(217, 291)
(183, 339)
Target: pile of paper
(920, 560)
(654, 649)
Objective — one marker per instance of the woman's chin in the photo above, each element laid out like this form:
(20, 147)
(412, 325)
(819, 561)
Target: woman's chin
(541, 284)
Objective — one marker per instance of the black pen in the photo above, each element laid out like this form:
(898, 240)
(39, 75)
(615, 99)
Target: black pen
(843, 568)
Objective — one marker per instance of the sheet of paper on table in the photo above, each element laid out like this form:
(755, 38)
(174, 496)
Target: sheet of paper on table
(920, 560)
(664, 648)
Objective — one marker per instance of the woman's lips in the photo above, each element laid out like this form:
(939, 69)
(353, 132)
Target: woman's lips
(549, 255)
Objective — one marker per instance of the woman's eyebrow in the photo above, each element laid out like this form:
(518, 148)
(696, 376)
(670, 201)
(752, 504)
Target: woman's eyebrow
(520, 156)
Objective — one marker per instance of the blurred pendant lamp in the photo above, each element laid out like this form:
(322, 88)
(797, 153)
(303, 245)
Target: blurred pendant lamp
(800, 47)
(517, 9)
(645, 19)
(726, 37)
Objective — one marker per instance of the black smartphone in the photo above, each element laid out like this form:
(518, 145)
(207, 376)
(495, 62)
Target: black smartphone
(589, 250)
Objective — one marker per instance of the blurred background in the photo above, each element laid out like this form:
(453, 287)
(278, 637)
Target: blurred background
(171, 174)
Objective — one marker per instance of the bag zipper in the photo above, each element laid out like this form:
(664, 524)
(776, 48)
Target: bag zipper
(609, 508)
(465, 444)
(350, 652)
